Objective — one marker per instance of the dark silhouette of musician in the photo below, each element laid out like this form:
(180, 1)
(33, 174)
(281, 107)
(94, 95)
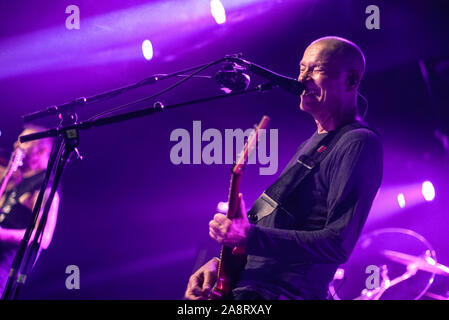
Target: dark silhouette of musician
(21, 182)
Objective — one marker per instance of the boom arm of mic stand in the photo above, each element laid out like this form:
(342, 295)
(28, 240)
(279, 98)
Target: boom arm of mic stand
(158, 107)
(73, 105)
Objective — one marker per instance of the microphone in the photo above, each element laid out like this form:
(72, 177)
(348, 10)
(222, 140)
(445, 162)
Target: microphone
(289, 84)
(231, 78)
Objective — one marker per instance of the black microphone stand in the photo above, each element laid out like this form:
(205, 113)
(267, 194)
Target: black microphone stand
(67, 139)
(64, 144)
(75, 104)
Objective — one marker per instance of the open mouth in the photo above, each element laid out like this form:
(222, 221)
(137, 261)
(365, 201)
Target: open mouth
(310, 93)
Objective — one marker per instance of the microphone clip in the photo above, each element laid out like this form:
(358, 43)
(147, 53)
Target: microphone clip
(231, 77)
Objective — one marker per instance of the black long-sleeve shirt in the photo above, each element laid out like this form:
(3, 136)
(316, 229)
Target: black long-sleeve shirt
(298, 259)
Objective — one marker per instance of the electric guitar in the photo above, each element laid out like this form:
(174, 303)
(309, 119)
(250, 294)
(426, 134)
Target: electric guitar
(232, 259)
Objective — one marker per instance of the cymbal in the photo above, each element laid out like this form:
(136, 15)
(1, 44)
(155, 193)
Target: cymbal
(421, 263)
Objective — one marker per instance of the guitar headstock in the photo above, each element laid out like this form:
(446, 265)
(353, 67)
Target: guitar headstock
(250, 145)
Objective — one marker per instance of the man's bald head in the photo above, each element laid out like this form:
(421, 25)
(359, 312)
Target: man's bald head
(345, 54)
(331, 70)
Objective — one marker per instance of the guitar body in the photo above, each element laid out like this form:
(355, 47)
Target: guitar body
(232, 260)
(232, 265)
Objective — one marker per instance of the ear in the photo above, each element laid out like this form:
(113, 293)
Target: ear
(352, 80)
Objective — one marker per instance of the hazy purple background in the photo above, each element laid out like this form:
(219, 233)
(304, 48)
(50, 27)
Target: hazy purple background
(136, 224)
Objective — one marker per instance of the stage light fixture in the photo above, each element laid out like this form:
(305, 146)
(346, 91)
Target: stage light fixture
(428, 191)
(218, 11)
(401, 200)
(147, 49)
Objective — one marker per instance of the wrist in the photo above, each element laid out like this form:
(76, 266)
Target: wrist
(250, 232)
(247, 236)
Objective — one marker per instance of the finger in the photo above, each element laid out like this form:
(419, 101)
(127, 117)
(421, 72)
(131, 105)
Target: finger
(222, 223)
(215, 237)
(197, 291)
(193, 295)
(190, 293)
(195, 279)
(242, 204)
(214, 234)
(241, 211)
(221, 218)
(193, 291)
(217, 228)
(214, 224)
(208, 282)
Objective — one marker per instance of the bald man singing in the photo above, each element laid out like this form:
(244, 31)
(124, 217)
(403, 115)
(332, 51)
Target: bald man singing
(308, 221)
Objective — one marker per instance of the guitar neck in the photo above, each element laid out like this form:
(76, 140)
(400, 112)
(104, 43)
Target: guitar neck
(233, 197)
(231, 259)
(223, 269)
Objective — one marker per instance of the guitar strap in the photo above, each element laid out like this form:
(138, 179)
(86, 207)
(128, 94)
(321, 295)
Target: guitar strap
(276, 194)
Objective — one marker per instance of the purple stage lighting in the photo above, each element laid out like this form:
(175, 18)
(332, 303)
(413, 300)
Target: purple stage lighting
(395, 199)
(110, 36)
(218, 11)
(147, 50)
(428, 191)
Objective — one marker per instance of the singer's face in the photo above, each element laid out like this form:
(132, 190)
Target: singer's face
(324, 80)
